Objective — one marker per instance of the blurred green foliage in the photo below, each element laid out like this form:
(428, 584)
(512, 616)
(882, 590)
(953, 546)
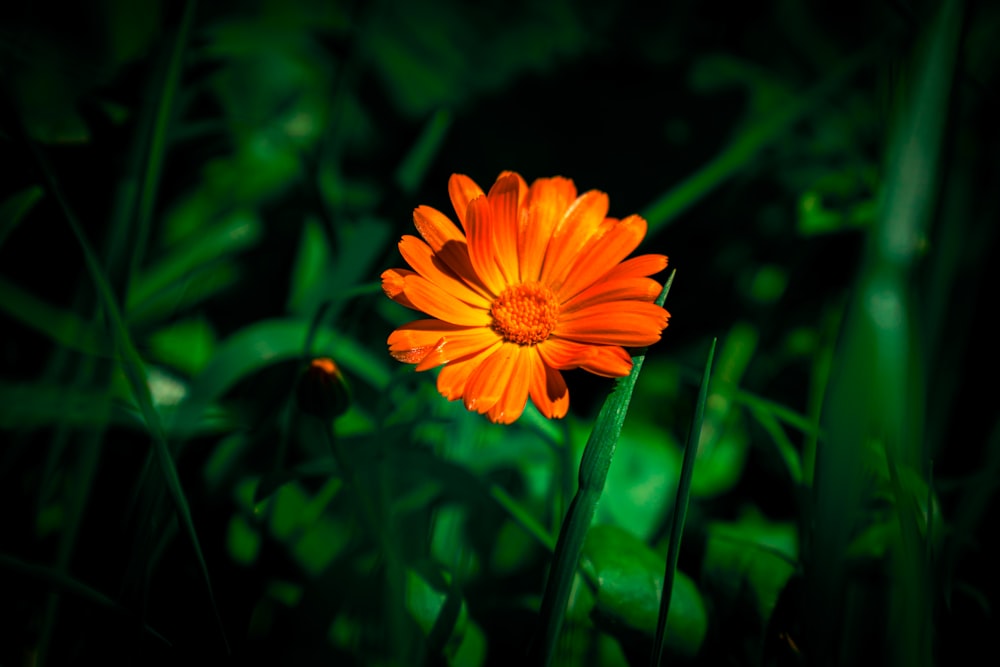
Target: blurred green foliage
(198, 199)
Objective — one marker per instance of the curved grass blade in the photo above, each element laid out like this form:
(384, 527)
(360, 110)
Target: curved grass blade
(744, 148)
(594, 468)
(61, 582)
(135, 373)
(680, 507)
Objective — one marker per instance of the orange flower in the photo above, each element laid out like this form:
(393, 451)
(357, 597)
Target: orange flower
(535, 284)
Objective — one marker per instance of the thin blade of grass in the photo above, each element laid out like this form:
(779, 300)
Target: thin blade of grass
(135, 374)
(594, 466)
(411, 170)
(680, 507)
(158, 138)
(61, 583)
(742, 151)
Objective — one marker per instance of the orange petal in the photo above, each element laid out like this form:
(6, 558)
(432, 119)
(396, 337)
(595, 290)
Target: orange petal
(392, 285)
(548, 391)
(606, 360)
(479, 225)
(423, 260)
(462, 190)
(437, 303)
(630, 323)
(488, 382)
(563, 354)
(638, 267)
(610, 361)
(581, 221)
(603, 253)
(503, 198)
(522, 186)
(515, 393)
(458, 345)
(414, 341)
(605, 291)
(546, 203)
(453, 378)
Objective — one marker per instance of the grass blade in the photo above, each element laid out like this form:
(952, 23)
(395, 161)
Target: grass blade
(135, 373)
(742, 151)
(61, 582)
(594, 468)
(680, 507)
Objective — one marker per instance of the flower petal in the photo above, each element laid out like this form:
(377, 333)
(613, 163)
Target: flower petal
(630, 323)
(503, 198)
(490, 380)
(462, 190)
(602, 253)
(515, 392)
(606, 360)
(578, 225)
(458, 345)
(423, 260)
(433, 342)
(548, 391)
(479, 225)
(437, 303)
(393, 286)
(544, 207)
(454, 377)
(610, 361)
(638, 267)
(606, 291)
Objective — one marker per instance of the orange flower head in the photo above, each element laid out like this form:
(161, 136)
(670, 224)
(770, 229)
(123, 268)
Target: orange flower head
(534, 282)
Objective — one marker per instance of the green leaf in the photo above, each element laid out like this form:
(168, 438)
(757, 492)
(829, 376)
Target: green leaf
(15, 207)
(186, 345)
(641, 485)
(629, 583)
(237, 232)
(749, 559)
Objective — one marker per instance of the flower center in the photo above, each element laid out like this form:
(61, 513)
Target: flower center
(525, 314)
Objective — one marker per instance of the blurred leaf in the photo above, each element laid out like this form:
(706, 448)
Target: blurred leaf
(629, 585)
(438, 610)
(62, 326)
(186, 345)
(308, 270)
(232, 235)
(641, 485)
(433, 56)
(33, 405)
(244, 540)
(15, 207)
(750, 559)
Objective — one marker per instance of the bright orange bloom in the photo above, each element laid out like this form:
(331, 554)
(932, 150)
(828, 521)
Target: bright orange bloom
(535, 284)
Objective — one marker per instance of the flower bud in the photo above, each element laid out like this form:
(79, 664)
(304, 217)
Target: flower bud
(322, 390)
